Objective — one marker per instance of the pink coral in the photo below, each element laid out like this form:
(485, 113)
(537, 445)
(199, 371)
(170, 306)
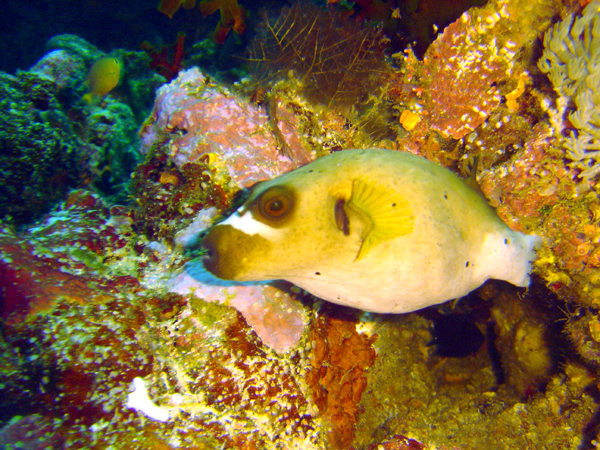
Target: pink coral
(197, 118)
(276, 316)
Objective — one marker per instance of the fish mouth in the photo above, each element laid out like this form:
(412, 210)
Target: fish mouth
(223, 246)
(231, 254)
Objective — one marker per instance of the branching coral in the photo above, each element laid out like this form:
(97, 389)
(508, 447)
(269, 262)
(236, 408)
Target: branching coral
(166, 60)
(337, 60)
(571, 59)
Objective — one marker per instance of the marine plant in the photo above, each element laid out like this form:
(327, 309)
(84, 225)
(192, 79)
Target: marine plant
(571, 58)
(336, 59)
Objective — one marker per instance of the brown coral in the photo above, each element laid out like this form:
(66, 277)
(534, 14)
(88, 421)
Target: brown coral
(337, 60)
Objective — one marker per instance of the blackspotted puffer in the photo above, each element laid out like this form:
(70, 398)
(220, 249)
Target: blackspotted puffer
(380, 230)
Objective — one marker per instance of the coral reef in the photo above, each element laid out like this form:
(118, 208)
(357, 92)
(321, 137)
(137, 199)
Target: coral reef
(509, 126)
(83, 346)
(97, 299)
(340, 361)
(33, 432)
(478, 56)
(40, 155)
(457, 112)
(466, 388)
(76, 47)
(51, 142)
(571, 59)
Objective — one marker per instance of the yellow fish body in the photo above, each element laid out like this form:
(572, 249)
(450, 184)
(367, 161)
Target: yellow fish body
(379, 230)
(103, 77)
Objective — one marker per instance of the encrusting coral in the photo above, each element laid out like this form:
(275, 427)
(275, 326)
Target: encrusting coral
(191, 115)
(571, 59)
(40, 155)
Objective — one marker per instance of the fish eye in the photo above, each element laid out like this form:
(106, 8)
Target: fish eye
(275, 203)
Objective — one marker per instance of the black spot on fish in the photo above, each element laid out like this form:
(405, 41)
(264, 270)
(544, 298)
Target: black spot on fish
(467, 264)
(317, 273)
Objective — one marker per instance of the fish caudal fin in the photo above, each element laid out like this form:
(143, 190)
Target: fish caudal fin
(88, 98)
(514, 255)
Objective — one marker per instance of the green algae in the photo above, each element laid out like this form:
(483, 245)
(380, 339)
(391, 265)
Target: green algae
(39, 152)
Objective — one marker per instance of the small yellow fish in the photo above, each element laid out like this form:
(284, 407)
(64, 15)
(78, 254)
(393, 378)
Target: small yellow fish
(380, 230)
(102, 78)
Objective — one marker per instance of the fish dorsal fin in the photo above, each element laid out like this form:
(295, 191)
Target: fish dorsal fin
(386, 213)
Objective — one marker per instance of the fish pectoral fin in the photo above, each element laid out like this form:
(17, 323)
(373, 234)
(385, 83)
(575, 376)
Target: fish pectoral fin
(385, 213)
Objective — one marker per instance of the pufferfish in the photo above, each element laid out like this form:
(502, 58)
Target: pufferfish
(379, 230)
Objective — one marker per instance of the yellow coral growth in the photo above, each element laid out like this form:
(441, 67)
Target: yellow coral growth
(511, 97)
(409, 119)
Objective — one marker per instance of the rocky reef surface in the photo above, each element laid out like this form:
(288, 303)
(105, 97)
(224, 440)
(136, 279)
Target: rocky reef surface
(113, 335)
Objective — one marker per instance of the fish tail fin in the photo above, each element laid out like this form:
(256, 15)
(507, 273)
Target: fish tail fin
(507, 255)
(519, 256)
